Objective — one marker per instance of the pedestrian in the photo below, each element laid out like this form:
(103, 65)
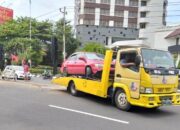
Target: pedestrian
(26, 71)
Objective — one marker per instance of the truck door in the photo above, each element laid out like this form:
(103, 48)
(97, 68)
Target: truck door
(127, 72)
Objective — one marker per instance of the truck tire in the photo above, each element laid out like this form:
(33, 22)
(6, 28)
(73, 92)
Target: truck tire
(121, 100)
(72, 89)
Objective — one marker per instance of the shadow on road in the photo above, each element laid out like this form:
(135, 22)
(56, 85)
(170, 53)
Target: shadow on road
(138, 111)
(153, 113)
(89, 97)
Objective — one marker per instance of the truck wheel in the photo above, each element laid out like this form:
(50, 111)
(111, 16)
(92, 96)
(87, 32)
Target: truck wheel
(73, 90)
(121, 101)
(88, 72)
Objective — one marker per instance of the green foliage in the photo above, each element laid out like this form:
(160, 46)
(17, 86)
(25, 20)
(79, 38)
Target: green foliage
(14, 35)
(40, 69)
(36, 71)
(71, 42)
(44, 67)
(94, 47)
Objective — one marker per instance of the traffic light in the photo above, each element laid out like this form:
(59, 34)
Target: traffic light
(1, 57)
(54, 54)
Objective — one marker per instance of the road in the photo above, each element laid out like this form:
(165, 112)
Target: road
(27, 106)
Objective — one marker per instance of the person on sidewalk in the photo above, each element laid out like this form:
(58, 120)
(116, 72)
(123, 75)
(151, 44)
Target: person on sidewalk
(26, 71)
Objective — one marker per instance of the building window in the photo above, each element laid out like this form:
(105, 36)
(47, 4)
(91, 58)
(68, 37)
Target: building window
(143, 14)
(143, 3)
(133, 14)
(105, 1)
(142, 25)
(132, 25)
(177, 41)
(120, 2)
(92, 1)
(133, 3)
(89, 11)
(118, 24)
(104, 12)
(119, 13)
(104, 23)
(88, 22)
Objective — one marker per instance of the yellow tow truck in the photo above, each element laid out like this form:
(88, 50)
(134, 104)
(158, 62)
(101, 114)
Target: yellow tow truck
(152, 82)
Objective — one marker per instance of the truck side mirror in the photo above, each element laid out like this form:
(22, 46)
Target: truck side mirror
(138, 60)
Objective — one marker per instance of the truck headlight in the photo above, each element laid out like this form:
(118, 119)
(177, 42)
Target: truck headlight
(146, 90)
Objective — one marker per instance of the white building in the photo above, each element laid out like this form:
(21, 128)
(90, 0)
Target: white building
(166, 37)
(152, 15)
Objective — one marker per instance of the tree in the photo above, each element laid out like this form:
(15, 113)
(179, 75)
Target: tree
(94, 47)
(71, 43)
(14, 35)
(26, 49)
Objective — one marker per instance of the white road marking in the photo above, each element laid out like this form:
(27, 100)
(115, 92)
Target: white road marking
(89, 114)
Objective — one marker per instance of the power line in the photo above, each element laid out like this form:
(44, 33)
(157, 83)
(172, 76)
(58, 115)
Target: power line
(50, 12)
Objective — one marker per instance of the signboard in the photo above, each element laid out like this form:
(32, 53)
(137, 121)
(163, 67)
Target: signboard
(5, 14)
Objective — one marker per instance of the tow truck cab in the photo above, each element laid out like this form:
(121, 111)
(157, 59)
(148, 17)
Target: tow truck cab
(151, 83)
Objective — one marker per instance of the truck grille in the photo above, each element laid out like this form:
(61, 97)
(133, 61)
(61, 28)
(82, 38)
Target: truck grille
(163, 90)
(165, 98)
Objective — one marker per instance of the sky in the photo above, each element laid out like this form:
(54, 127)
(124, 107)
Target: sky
(49, 9)
(40, 9)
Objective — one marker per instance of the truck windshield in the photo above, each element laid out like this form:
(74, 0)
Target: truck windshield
(157, 59)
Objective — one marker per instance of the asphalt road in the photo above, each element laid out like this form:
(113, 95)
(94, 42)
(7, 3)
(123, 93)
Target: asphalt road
(25, 106)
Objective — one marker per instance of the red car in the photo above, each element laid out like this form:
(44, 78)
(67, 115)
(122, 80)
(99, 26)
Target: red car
(83, 63)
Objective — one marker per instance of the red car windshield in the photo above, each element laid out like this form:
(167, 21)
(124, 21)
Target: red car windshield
(94, 56)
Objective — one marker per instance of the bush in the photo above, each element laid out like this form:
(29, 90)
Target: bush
(44, 66)
(40, 69)
(36, 71)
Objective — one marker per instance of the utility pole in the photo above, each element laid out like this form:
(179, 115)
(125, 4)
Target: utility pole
(30, 27)
(64, 30)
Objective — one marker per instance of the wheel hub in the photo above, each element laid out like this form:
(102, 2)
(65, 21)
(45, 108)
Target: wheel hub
(122, 99)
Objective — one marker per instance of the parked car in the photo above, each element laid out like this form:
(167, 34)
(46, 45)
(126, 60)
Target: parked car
(83, 63)
(14, 72)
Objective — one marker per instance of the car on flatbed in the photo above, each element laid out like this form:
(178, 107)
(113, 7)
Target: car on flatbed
(83, 63)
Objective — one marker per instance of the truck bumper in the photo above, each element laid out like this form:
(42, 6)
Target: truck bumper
(156, 100)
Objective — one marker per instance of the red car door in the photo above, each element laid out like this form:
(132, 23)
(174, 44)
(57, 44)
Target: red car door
(71, 64)
(80, 64)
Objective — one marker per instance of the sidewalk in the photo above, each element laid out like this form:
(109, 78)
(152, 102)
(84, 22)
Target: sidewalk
(42, 83)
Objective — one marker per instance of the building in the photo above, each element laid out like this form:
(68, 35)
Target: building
(106, 21)
(152, 15)
(6, 14)
(166, 37)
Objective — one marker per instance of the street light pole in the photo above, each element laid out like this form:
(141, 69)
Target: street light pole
(30, 27)
(64, 29)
